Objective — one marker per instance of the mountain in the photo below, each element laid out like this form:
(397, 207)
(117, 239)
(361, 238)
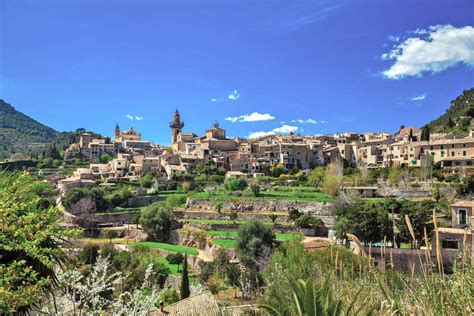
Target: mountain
(457, 118)
(21, 133)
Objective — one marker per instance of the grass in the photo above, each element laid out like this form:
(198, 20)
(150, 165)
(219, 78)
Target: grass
(304, 195)
(168, 247)
(225, 243)
(122, 210)
(173, 267)
(231, 243)
(103, 240)
(233, 234)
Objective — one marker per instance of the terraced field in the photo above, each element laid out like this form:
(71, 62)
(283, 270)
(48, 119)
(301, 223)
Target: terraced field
(168, 247)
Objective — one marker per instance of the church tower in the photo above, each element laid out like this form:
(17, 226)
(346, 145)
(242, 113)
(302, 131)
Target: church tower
(117, 131)
(176, 126)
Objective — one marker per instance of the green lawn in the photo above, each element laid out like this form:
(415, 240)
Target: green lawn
(226, 243)
(173, 267)
(231, 243)
(233, 234)
(169, 247)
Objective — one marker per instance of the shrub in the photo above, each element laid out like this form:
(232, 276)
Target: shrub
(175, 200)
(175, 258)
(255, 187)
(218, 207)
(309, 221)
(236, 184)
(147, 180)
(170, 296)
(332, 184)
(215, 284)
(89, 254)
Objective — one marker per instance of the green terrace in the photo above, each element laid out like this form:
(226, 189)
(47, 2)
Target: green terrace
(168, 247)
(225, 222)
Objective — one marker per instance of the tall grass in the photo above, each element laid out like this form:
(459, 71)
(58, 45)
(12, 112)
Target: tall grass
(385, 291)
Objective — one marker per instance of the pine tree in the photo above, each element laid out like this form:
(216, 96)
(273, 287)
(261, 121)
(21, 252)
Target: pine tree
(450, 122)
(185, 292)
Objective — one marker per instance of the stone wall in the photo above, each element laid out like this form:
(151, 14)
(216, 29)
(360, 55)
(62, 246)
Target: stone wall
(245, 205)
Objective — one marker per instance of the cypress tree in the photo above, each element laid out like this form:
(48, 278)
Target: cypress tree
(184, 290)
(410, 136)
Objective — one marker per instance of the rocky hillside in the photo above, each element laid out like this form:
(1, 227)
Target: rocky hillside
(458, 116)
(19, 132)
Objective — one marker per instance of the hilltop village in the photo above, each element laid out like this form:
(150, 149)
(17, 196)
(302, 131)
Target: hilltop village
(133, 157)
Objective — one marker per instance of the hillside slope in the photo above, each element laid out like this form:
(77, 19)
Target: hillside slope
(18, 132)
(458, 116)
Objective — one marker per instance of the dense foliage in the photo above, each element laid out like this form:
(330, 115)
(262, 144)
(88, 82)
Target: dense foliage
(30, 243)
(255, 243)
(457, 117)
(156, 221)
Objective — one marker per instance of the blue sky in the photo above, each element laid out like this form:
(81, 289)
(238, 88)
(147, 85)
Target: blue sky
(255, 66)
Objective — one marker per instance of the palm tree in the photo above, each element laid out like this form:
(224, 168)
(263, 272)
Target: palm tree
(308, 298)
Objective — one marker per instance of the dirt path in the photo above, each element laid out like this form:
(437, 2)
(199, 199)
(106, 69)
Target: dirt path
(204, 256)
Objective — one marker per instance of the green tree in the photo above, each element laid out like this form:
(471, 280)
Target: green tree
(255, 243)
(425, 133)
(111, 234)
(236, 184)
(184, 288)
(147, 180)
(156, 220)
(218, 207)
(31, 245)
(105, 158)
(89, 253)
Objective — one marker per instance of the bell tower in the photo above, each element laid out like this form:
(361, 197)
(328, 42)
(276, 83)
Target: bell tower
(117, 131)
(176, 126)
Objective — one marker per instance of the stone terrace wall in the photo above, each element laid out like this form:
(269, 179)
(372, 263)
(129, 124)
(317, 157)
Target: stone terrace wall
(243, 205)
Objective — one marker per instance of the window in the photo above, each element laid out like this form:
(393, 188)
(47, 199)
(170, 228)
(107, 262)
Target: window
(452, 154)
(450, 244)
(442, 154)
(431, 147)
(452, 146)
(464, 145)
(462, 217)
(464, 153)
(442, 147)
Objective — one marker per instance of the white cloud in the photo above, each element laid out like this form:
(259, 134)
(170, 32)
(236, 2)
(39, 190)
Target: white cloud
(234, 95)
(307, 121)
(213, 100)
(130, 117)
(284, 129)
(253, 117)
(139, 118)
(322, 122)
(441, 47)
(394, 38)
(419, 97)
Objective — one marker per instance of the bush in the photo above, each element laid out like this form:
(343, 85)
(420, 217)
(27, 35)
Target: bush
(89, 254)
(215, 285)
(147, 180)
(170, 296)
(316, 177)
(255, 187)
(175, 258)
(175, 200)
(236, 184)
(309, 221)
(332, 184)
(218, 207)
